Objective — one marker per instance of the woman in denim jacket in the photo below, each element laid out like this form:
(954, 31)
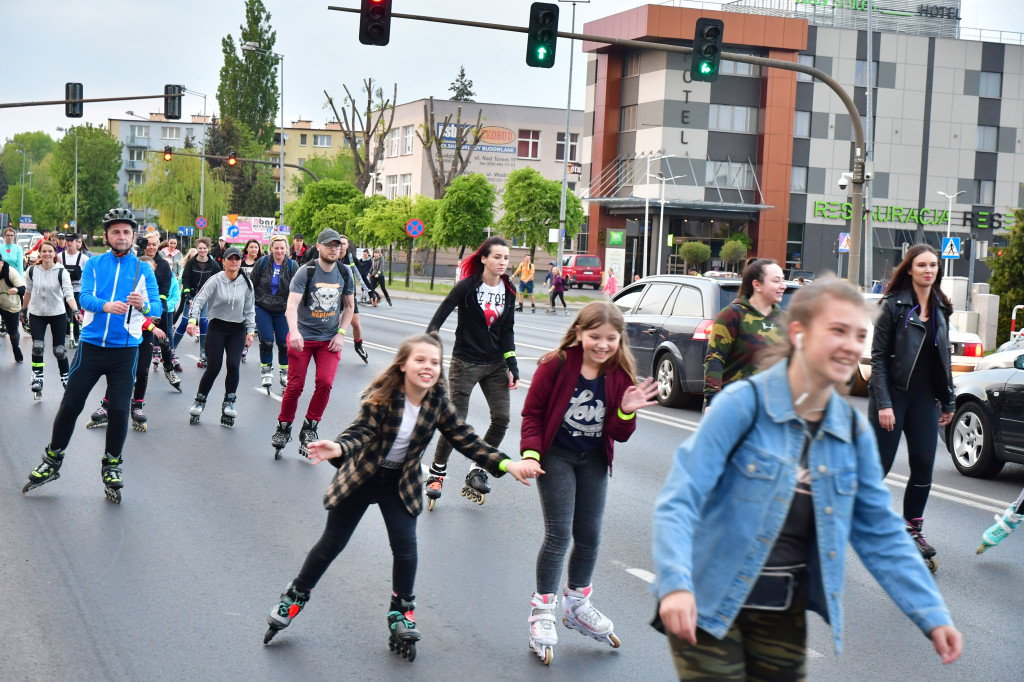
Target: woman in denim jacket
(751, 532)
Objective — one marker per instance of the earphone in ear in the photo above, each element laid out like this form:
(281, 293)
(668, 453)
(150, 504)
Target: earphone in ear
(799, 341)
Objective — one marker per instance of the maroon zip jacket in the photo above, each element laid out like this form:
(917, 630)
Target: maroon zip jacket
(550, 392)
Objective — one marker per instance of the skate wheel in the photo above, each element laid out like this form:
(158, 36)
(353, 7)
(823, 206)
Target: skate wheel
(614, 641)
(431, 501)
(932, 564)
(277, 454)
(28, 486)
(113, 494)
(269, 636)
(410, 652)
(480, 499)
(982, 549)
(194, 419)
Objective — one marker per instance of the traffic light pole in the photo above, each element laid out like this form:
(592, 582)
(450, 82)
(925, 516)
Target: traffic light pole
(12, 105)
(240, 160)
(856, 220)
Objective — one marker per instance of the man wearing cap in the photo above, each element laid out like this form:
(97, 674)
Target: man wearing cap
(62, 242)
(72, 259)
(321, 300)
(298, 248)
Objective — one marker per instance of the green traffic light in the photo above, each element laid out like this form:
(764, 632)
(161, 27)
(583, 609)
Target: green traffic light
(705, 68)
(542, 53)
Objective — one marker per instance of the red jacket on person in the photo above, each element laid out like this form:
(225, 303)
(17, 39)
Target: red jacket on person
(550, 392)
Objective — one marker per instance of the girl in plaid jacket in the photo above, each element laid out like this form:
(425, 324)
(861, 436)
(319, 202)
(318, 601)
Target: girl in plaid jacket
(378, 460)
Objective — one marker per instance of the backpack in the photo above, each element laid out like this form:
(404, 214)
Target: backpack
(60, 275)
(310, 271)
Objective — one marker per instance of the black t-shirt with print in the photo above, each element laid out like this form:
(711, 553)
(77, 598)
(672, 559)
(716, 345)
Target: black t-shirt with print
(582, 427)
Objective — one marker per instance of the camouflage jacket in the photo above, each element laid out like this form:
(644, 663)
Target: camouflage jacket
(740, 333)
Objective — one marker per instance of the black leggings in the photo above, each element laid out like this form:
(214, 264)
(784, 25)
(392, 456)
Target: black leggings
(58, 325)
(223, 337)
(142, 368)
(73, 324)
(13, 331)
(557, 294)
(342, 521)
(917, 417)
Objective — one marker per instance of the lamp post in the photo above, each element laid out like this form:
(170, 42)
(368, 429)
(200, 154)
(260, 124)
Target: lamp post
(949, 223)
(75, 133)
(647, 207)
(661, 217)
(250, 46)
(568, 140)
(23, 157)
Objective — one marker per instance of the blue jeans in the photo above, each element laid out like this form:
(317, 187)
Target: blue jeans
(272, 328)
(572, 495)
(204, 324)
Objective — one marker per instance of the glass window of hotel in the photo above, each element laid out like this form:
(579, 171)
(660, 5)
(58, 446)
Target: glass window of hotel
(560, 146)
(732, 119)
(631, 64)
(406, 183)
(392, 187)
(321, 140)
(302, 139)
(169, 133)
(990, 84)
(407, 139)
(798, 180)
(805, 60)
(802, 124)
(984, 192)
(988, 138)
(528, 144)
(140, 131)
(794, 245)
(724, 174)
(731, 68)
(627, 118)
(861, 78)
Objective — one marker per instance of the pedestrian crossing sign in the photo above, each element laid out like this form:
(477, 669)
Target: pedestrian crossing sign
(844, 242)
(951, 247)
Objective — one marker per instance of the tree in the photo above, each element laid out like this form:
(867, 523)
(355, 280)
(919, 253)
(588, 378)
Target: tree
(1007, 278)
(338, 167)
(366, 131)
(248, 90)
(37, 145)
(733, 251)
(694, 253)
(531, 203)
(463, 142)
(462, 88)
(99, 160)
(173, 188)
(301, 214)
(252, 185)
(465, 213)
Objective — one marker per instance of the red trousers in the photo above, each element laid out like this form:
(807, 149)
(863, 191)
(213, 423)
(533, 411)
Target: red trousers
(298, 362)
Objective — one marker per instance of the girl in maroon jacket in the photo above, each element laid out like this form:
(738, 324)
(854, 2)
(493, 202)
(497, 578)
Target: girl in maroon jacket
(583, 397)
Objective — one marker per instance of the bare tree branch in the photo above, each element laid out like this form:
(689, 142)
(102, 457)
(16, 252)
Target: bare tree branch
(434, 146)
(365, 132)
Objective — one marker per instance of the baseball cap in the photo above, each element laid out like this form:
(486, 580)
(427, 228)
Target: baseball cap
(327, 235)
(232, 251)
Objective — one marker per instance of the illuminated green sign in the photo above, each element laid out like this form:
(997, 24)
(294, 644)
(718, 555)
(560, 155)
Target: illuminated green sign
(616, 237)
(836, 210)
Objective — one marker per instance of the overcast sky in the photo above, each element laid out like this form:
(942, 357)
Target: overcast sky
(133, 47)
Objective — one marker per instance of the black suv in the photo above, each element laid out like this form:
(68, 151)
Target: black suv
(668, 323)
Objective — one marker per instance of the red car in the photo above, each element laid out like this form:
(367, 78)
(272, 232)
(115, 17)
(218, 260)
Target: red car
(582, 269)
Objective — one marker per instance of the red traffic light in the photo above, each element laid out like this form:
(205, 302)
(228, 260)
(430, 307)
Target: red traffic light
(167, 153)
(232, 159)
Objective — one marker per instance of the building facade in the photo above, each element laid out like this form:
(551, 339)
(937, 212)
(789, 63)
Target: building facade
(761, 151)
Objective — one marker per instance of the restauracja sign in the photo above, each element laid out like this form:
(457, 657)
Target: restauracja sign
(836, 210)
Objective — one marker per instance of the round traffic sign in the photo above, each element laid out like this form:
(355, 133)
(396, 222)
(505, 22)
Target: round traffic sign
(414, 228)
(233, 231)
(200, 222)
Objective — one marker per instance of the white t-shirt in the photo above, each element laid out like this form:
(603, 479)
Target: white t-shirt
(492, 300)
(400, 447)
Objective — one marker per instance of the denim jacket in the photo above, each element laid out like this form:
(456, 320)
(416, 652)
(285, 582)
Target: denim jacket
(718, 517)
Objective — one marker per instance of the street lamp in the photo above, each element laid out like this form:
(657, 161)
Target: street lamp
(23, 157)
(949, 222)
(75, 133)
(647, 207)
(661, 218)
(250, 46)
(132, 113)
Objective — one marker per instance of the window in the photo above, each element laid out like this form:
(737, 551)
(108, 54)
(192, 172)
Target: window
(631, 64)
(805, 60)
(802, 124)
(728, 175)
(628, 299)
(277, 137)
(990, 84)
(407, 139)
(321, 140)
(140, 131)
(302, 162)
(394, 142)
(529, 144)
(391, 190)
(136, 154)
(169, 133)
(627, 118)
(860, 78)
(302, 139)
(654, 300)
(798, 180)
(734, 119)
(574, 139)
(134, 177)
(731, 68)
(406, 185)
(689, 303)
(984, 192)
(988, 138)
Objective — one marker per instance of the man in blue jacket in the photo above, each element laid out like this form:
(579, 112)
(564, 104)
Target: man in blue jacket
(119, 296)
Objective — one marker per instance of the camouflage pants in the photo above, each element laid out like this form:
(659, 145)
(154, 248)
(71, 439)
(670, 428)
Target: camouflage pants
(760, 645)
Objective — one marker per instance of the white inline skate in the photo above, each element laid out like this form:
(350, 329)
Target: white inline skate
(579, 614)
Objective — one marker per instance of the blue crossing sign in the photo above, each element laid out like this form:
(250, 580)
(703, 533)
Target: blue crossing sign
(951, 247)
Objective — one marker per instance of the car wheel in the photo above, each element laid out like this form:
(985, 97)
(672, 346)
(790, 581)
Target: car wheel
(579, 285)
(970, 443)
(596, 287)
(670, 393)
(858, 384)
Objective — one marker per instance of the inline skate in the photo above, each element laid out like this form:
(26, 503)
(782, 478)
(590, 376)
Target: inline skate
(111, 472)
(579, 614)
(358, 345)
(292, 602)
(1005, 524)
(172, 379)
(48, 470)
(37, 387)
(176, 363)
(99, 417)
(307, 435)
(927, 551)
(202, 361)
(138, 417)
(266, 377)
(281, 438)
(156, 357)
(476, 487)
(543, 633)
(402, 624)
(434, 484)
(282, 376)
(227, 410)
(197, 408)
(64, 380)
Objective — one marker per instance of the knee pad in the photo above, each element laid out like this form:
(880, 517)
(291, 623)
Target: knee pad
(266, 345)
(60, 352)
(38, 347)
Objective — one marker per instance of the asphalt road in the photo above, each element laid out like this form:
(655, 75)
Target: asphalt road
(175, 582)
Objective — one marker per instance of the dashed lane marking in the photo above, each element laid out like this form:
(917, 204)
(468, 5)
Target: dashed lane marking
(263, 391)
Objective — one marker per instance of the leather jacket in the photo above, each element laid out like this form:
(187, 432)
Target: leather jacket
(899, 337)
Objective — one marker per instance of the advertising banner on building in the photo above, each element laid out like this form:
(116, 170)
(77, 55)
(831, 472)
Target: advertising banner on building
(238, 229)
(493, 140)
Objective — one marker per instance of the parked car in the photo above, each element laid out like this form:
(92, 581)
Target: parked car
(967, 351)
(582, 269)
(719, 274)
(794, 273)
(668, 324)
(988, 427)
(27, 240)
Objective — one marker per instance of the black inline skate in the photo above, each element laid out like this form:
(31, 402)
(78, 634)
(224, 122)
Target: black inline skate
(197, 408)
(176, 363)
(227, 410)
(156, 357)
(282, 376)
(476, 487)
(37, 387)
(358, 345)
(281, 438)
(99, 417)
(111, 473)
(434, 485)
(138, 417)
(202, 361)
(172, 379)
(402, 624)
(307, 435)
(292, 602)
(914, 527)
(48, 470)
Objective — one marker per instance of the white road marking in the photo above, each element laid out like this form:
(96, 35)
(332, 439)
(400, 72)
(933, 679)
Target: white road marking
(263, 391)
(963, 493)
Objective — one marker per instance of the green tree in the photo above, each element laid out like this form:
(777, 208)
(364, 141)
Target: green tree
(248, 90)
(1007, 278)
(172, 188)
(99, 160)
(465, 213)
(531, 203)
(37, 145)
(694, 253)
(317, 196)
(337, 167)
(33, 202)
(733, 252)
(462, 88)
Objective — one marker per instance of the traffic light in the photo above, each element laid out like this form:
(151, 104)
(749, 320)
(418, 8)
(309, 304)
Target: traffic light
(167, 153)
(543, 35)
(73, 91)
(172, 101)
(375, 22)
(707, 49)
(66, 228)
(232, 158)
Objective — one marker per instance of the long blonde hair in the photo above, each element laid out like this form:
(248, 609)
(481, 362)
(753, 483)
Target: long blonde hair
(380, 390)
(592, 316)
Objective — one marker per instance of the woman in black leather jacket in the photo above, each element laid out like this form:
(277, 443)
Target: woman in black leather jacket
(911, 377)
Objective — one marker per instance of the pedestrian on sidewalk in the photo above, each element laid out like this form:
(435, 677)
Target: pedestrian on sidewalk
(525, 272)
(911, 390)
(781, 457)
(379, 461)
(583, 397)
(610, 286)
(557, 290)
(377, 276)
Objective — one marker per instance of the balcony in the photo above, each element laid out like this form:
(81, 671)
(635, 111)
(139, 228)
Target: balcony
(136, 165)
(137, 141)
